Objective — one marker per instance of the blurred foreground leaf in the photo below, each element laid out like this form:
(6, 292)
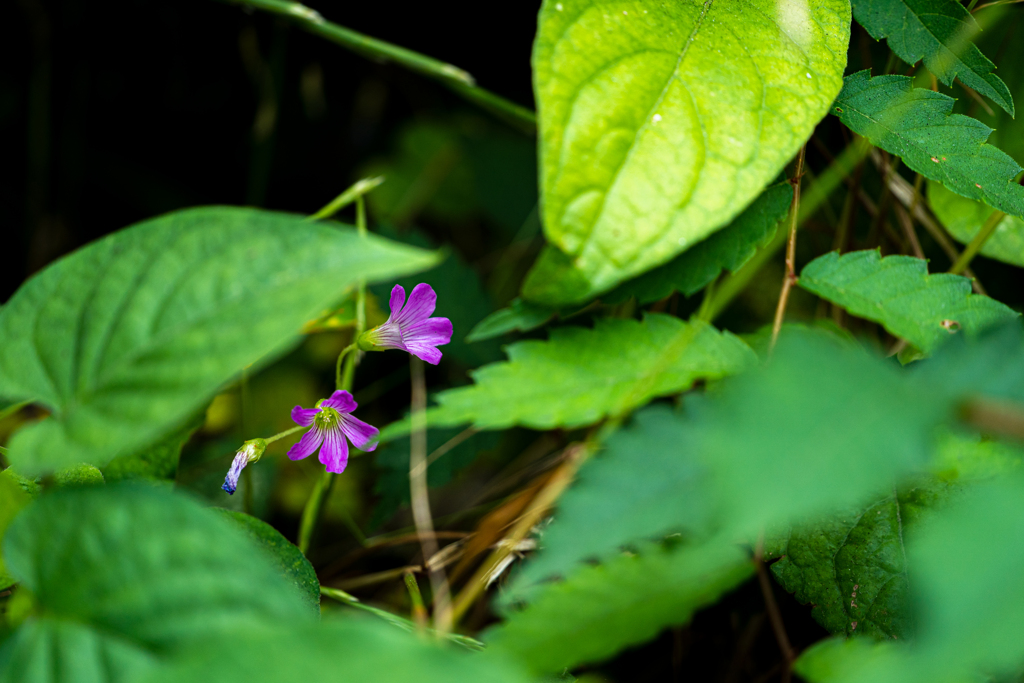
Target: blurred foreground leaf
(143, 572)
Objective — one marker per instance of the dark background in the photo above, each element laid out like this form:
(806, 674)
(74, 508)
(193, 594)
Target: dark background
(115, 112)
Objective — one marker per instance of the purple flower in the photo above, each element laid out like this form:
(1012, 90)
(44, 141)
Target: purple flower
(333, 426)
(410, 328)
(249, 452)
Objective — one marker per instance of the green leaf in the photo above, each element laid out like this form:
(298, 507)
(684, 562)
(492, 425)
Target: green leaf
(940, 31)
(840, 660)
(601, 610)
(660, 123)
(916, 125)
(823, 426)
(12, 500)
(580, 376)
(964, 218)
(159, 461)
(124, 339)
(898, 292)
(852, 566)
(520, 315)
(640, 486)
(727, 249)
(79, 475)
(350, 649)
(142, 572)
(292, 564)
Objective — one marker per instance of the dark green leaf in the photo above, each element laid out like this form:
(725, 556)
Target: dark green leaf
(292, 564)
(641, 485)
(916, 125)
(659, 123)
(598, 611)
(127, 337)
(141, 572)
(898, 292)
(12, 499)
(940, 31)
(727, 249)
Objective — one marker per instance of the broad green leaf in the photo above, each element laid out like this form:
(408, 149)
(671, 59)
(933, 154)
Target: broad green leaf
(580, 376)
(898, 292)
(598, 611)
(79, 475)
(939, 31)
(854, 660)
(991, 365)
(852, 566)
(292, 564)
(727, 249)
(360, 649)
(12, 500)
(916, 125)
(643, 484)
(142, 572)
(823, 426)
(963, 218)
(660, 123)
(127, 337)
(520, 315)
(159, 461)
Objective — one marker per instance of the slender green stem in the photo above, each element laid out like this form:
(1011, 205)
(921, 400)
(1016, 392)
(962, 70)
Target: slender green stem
(971, 5)
(451, 76)
(344, 376)
(705, 305)
(352, 194)
(817, 192)
(419, 611)
(281, 435)
(978, 242)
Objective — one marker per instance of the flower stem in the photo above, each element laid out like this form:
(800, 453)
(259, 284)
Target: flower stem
(281, 435)
(451, 76)
(339, 375)
(352, 194)
(978, 242)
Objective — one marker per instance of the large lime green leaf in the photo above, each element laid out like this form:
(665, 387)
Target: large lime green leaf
(898, 292)
(940, 31)
(916, 125)
(361, 649)
(139, 571)
(639, 486)
(964, 218)
(292, 564)
(727, 249)
(660, 122)
(128, 336)
(580, 376)
(601, 610)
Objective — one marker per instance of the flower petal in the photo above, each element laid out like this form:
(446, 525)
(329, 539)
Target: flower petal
(341, 401)
(425, 352)
(421, 304)
(304, 416)
(309, 442)
(237, 465)
(334, 454)
(359, 433)
(397, 299)
(432, 331)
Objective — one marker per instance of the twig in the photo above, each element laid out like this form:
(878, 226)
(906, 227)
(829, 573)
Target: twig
(773, 610)
(559, 481)
(790, 278)
(451, 76)
(421, 499)
(377, 577)
(908, 229)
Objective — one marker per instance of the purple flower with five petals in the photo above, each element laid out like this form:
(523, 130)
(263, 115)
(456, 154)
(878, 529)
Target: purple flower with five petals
(410, 327)
(333, 427)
